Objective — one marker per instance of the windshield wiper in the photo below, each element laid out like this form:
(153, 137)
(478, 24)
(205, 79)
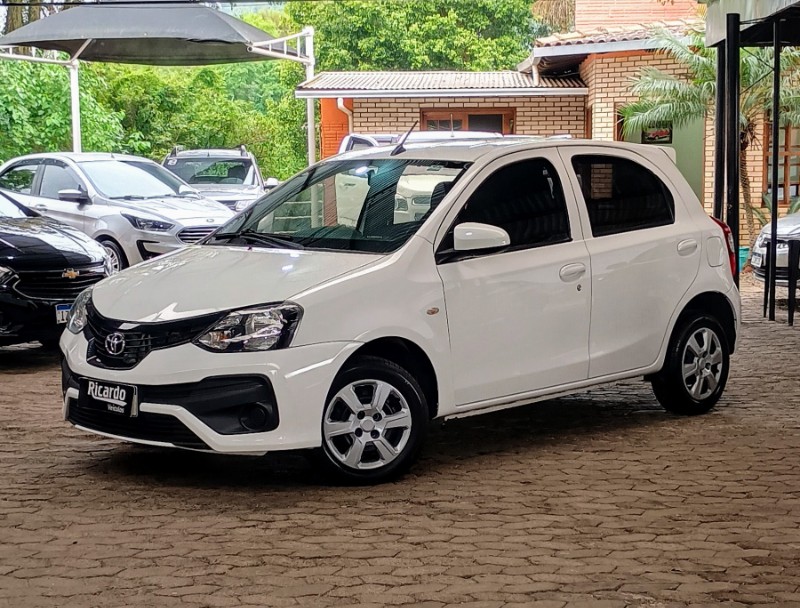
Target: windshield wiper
(129, 197)
(269, 240)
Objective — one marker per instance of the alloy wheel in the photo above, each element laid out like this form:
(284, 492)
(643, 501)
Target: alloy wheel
(367, 424)
(113, 258)
(702, 363)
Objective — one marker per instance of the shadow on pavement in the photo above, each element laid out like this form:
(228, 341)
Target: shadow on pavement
(27, 358)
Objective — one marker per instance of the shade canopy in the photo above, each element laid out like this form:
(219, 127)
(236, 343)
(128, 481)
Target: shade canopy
(160, 34)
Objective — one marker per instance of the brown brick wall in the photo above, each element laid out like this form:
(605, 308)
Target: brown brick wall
(593, 14)
(545, 115)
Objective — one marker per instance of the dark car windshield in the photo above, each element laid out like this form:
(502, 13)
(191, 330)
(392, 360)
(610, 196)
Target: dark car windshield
(217, 171)
(10, 208)
(131, 179)
(372, 205)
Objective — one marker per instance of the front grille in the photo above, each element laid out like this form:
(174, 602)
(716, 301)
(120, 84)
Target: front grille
(198, 233)
(56, 284)
(140, 338)
(148, 426)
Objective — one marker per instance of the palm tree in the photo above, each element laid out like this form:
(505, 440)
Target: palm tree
(667, 98)
(558, 15)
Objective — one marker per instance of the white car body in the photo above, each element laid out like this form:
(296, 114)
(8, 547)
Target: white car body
(496, 331)
(102, 218)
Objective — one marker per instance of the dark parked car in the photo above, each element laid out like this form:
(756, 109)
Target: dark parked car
(44, 265)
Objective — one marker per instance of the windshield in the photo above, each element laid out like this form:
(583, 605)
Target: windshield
(131, 179)
(8, 208)
(356, 205)
(217, 171)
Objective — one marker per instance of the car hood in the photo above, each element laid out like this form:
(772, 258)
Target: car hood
(195, 210)
(38, 243)
(199, 280)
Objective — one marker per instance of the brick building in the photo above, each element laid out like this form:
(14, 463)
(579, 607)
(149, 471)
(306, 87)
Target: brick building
(573, 83)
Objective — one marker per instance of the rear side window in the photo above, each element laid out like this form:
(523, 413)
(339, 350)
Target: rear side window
(526, 200)
(622, 195)
(19, 178)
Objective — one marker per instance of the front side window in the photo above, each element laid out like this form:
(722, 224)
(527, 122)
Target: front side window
(56, 178)
(131, 179)
(372, 205)
(525, 199)
(204, 171)
(622, 195)
(19, 178)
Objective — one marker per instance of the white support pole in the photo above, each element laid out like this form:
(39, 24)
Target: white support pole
(310, 118)
(75, 102)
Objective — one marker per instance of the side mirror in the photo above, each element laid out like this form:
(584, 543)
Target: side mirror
(271, 182)
(74, 195)
(471, 236)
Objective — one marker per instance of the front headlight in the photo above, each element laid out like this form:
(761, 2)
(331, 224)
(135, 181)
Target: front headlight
(243, 204)
(760, 241)
(253, 329)
(6, 274)
(77, 315)
(146, 224)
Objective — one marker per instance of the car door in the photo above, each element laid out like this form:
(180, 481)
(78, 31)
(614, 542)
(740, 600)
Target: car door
(644, 253)
(56, 176)
(518, 317)
(20, 179)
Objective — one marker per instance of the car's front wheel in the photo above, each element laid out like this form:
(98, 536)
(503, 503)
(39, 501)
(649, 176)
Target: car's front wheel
(696, 367)
(115, 254)
(374, 422)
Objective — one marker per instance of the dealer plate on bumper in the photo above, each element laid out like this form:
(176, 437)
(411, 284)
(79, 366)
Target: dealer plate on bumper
(119, 399)
(756, 260)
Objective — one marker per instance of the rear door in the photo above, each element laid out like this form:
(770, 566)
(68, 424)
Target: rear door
(20, 180)
(644, 250)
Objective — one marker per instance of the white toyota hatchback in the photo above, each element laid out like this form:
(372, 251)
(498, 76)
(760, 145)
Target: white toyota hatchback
(321, 318)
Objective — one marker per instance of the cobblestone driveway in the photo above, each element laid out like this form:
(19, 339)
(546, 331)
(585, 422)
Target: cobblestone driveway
(599, 500)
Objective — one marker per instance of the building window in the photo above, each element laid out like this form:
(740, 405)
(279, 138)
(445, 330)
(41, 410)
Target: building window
(788, 164)
(496, 120)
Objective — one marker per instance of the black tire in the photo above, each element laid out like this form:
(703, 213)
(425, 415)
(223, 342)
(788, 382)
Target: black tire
(365, 374)
(113, 248)
(672, 388)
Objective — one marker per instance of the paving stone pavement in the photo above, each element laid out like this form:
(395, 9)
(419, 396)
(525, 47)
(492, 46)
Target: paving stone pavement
(598, 500)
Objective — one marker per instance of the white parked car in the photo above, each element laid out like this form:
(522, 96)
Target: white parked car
(540, 268)
(132, 206)
(788, 230)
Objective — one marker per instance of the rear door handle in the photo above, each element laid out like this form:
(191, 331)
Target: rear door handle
(571, 272)
(687, 247)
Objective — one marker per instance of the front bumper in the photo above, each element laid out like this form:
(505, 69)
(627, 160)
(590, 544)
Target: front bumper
(25, 320)
(781, 265)
(298, 381)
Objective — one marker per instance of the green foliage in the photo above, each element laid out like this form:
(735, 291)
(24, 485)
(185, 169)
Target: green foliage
(35, 111)
(418, 34)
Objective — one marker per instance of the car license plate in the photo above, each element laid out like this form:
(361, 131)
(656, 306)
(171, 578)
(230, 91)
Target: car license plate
(108, 397)
(756, 260)
(62, 313)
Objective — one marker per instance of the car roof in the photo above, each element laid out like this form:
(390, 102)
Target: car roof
(473, 150)
(80, 157)
(211, 152)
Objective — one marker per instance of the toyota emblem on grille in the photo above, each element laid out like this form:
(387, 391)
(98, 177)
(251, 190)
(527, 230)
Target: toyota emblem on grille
(115, 343)
(70, 273)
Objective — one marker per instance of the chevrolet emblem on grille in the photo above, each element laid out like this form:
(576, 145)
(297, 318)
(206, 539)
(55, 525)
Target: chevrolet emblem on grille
(70, 273)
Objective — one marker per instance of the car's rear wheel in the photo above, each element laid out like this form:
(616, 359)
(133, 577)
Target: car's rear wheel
(115, 254)
(696, 368)
(374, 422)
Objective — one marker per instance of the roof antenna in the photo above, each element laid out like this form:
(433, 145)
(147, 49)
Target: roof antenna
(400, 148)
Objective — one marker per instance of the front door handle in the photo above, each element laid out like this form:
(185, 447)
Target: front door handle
(571, 272)
(40, 207)
(687, 247)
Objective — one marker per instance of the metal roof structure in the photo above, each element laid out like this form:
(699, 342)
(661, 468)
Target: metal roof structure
(438, 83)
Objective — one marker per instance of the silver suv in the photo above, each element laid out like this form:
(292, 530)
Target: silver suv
(230, 177)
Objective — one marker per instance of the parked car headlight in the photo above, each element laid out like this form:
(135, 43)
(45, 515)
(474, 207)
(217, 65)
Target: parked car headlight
(6, 274)
(143, 223)
(253, 329)
(77, 315)
(761, 240)
(243, 204)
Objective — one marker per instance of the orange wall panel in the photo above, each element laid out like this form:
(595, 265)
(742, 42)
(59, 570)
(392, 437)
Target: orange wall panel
(333, 125)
